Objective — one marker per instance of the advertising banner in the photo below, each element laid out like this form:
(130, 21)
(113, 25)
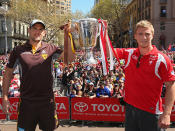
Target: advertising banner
(2, 115)
(12, 111)
(62, 108)
(97, 109)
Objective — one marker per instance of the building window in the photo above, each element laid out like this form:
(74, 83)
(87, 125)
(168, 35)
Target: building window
(140, 17)
(163, 11)
(143, 4)
(149, 13)
(27, 31)
(147, 3)
(15, 27)
(24, 30)
(62, 3)
(21, 29)
(15, 44)
(163, 1)
(162, 25)
(146, 15)
(143, 15)
(57, 2)
(3, 26)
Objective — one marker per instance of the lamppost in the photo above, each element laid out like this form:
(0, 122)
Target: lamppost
(4, 9)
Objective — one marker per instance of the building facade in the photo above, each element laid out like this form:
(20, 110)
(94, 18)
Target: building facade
(161, 13)
(63, 5)
(16, 34)
(17, 31)
(122, 1)
(12, 33)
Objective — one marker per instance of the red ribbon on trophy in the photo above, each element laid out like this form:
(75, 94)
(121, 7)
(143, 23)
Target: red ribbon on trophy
(106, 47)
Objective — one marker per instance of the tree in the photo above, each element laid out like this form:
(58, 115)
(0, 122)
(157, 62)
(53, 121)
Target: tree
(27, 10)
(113, 12)
(78, 15)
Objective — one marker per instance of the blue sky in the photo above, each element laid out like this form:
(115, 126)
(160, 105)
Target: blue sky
(82, 5)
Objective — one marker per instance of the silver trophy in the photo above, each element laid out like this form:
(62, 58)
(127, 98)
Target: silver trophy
(84, 34)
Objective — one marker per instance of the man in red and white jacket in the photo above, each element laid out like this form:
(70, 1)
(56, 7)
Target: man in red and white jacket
(146, 69)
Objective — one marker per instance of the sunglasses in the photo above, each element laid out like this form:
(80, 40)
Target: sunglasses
(138, 61)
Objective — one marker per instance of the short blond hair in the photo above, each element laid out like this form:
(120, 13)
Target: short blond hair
(144, 24)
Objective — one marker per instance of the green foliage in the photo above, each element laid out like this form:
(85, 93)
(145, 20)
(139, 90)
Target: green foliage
(106, 9)
(78, 15)
(113, 12)
(27, 10)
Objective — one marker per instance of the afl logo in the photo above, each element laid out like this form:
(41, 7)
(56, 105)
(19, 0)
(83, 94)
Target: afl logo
(81, 107)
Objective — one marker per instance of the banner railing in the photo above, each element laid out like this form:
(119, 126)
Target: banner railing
(81, 108)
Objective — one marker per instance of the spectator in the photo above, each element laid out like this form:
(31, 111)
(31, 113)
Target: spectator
(67, 76)
(56, 94)
(91, 93)
(56, 65)
(14, 86)
(73, 93)
(0, 86)
(109, 85)
(79, 93)
(116, 92)
(102, 91)
(59, 72)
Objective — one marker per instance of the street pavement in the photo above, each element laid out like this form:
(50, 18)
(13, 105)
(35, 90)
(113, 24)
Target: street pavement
(75, 126)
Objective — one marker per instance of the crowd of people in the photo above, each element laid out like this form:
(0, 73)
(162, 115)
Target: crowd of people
(3, 61)
(14, 89)
(80, 80)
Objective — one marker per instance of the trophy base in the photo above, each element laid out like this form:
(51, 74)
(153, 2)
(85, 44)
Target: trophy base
(91, 61)
(89, 58)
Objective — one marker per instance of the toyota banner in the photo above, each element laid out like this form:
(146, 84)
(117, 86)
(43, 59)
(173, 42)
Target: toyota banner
(81, 108)
(97, 109)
